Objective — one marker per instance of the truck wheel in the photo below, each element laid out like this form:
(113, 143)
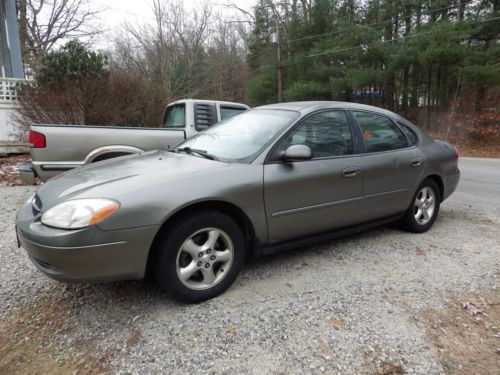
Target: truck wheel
(423, 209)
(200, 257)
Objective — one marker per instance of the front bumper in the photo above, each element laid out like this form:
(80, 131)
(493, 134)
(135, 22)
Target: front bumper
(88, 254)
(27, 174)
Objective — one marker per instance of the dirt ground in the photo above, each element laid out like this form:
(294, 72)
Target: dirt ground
(467, 333)
(9, 174)
(26, 342)
(467, 341)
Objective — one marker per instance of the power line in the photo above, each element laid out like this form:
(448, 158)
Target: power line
(371, 24)
(262, 68)
(356, 26)
(265, 49)
(394, 40)
(291, 62)
(132, 13)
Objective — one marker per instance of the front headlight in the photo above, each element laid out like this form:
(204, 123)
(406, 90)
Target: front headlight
(79, 213)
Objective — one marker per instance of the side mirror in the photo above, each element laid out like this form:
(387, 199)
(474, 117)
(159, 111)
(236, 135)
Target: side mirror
(297, 153)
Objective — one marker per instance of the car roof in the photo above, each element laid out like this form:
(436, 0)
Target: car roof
(310, 106)
(207, 101)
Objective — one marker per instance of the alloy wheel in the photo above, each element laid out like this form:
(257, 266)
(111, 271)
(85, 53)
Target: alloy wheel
(425, 205)
(204, 259)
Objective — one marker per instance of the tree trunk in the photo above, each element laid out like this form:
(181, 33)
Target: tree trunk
(406, 69)
(461, 10)
(429, 97)
(414, 97)
(389, 81)
(404, 90)
(437, 97)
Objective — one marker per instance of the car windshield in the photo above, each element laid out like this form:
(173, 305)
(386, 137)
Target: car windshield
(240, 137)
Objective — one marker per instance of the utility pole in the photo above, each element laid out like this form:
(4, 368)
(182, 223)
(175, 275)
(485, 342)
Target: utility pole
(275, 39)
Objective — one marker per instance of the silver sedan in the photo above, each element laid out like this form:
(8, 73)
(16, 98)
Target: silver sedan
(269, 179)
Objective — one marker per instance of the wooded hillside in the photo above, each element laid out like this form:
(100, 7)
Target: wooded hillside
(414, 57)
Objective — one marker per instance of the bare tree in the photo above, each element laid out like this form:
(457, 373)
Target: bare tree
(225, 60)
(44, 23)
(172, 51)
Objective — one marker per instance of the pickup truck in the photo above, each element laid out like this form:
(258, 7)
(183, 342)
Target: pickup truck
(57, 148)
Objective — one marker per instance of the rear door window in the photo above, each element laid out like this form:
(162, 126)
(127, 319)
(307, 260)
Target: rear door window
(379, 132)
(175, 116)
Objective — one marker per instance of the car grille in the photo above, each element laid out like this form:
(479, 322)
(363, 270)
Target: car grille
(36, 204)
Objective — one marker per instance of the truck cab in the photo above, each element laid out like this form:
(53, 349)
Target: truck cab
(195, 115)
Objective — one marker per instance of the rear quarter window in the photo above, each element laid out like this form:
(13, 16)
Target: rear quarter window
(227, 111)
(410, 134)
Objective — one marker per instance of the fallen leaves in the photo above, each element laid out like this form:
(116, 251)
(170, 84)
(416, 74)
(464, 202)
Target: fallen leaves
(471, 308)
(9, 169)
(134, 338)
(337, 323)
(230, 329)
(390, 368)
(464, 332)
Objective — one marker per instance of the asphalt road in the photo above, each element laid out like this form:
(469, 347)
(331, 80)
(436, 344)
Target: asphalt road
(479, 186)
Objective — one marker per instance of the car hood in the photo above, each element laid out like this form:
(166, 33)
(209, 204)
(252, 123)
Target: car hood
(114, 174)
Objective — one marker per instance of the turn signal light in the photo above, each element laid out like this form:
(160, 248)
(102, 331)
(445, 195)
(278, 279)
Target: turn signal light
(103, 213)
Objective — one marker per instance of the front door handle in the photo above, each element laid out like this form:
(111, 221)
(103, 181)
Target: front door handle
(416, 162)
(350, 172)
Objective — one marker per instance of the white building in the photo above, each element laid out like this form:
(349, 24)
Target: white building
(11, 73)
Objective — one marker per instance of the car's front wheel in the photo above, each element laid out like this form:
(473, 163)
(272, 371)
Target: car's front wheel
(200, 257)
(424, 208)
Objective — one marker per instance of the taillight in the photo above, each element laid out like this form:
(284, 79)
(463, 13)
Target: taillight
(36, 140)
(456, 152)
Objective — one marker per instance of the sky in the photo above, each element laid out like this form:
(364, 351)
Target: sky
(117, 12)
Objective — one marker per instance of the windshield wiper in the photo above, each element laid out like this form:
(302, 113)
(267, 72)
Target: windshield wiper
(189, 150)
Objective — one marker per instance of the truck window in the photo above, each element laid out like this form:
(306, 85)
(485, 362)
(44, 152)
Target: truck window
(226, 111)
(205, 116)
(175, 116)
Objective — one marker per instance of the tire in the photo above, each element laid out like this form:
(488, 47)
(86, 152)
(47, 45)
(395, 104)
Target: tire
(189, 276)
(416, 221)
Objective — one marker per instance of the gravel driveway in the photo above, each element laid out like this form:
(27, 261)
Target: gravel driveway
(382, 302)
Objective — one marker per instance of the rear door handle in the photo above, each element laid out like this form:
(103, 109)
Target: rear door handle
(350, 172)
(416, 162)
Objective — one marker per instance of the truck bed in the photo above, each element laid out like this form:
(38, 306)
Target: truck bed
(70, 146)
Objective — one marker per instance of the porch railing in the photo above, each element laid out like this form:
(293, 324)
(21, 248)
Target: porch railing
(9, 88)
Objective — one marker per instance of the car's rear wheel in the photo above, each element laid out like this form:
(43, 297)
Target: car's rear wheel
(424, 208)
(200, 257)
